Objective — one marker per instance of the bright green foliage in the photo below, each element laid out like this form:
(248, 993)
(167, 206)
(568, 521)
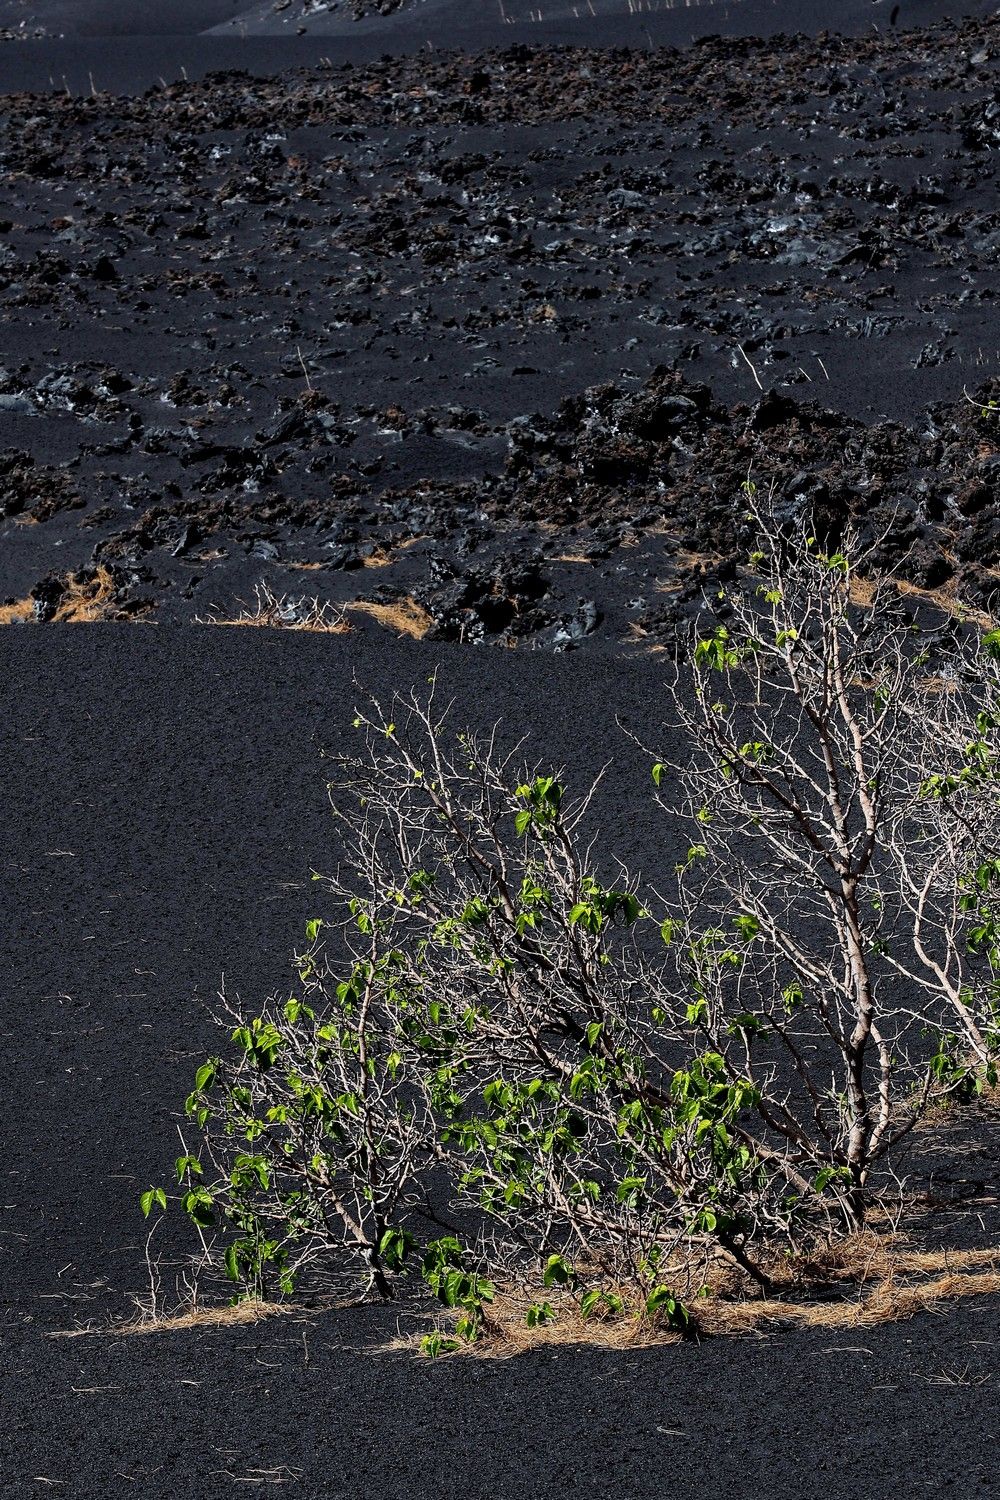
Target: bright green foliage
(457, 1289)
(151, 1198)
(716, 652)
(542, 798)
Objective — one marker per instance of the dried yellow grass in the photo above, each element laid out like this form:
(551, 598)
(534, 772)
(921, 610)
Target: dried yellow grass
(234, 1316)
(506, 1334)
(946, 599)
(890, 1302)
(83, 602)
(384, 557)
(637, 636)
(864, 592)
(18, 613)
(860, 1282)
(226, 1315)
(886, 1282)
(891, 1281)
(404, 616)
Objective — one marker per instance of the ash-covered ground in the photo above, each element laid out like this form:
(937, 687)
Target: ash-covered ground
(494, 338)
(164, 802)
(480, 315)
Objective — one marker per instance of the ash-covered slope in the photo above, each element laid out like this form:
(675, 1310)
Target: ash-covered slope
(164, 805)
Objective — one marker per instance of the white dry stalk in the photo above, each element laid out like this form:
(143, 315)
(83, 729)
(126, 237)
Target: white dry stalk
(283, 612)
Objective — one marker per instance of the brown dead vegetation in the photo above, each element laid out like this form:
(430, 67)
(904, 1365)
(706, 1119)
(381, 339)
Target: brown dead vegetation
(235, 1315)
(638, 636)
(383, 556)
(18, 613)
(87, 598)
(946, 598)
(863, 591)
(279, 612)
(403, 615)
(861, 1282)
(873, 1277)
(186, 1319)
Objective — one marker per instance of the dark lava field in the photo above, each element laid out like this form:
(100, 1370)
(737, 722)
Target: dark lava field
(464, 320)
(491, 339)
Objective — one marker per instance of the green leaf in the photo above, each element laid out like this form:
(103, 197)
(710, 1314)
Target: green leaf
(204, 1076)
(558, 1272)
(394, 1246)
(198, 1205)
(661, 1300)
(435, 1344)
(588, 1302)
(629, 1187)
(538, 1314)
(153, 1195)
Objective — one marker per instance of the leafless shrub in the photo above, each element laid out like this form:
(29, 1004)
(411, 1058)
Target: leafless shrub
(281, 612)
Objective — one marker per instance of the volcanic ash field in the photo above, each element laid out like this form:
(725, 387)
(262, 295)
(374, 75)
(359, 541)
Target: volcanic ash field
(413, 331)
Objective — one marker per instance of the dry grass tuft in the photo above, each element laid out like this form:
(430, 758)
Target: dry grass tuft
(403, 615)
(86, 601)
(947, 600)
(873, 1279)
(87, 598)
(889, 1296)
(235, 1315)
(864, 593)
(638, 636)
(869, 1279)
(508, 1334)
(18, 613)
(279, 612)
(890, 1302)
(384, 557)
(861, 1282)
(223, 1315)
